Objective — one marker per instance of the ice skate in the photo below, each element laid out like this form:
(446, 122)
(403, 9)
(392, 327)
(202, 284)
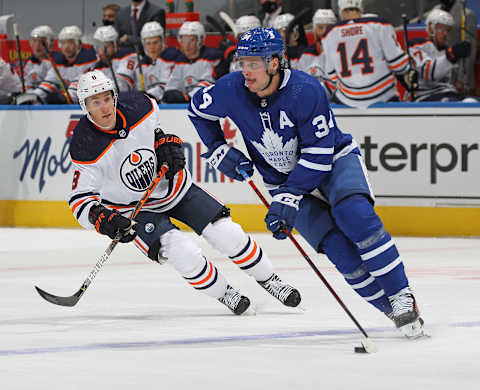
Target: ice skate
(285, 293)
(236, 302)
(405, 314)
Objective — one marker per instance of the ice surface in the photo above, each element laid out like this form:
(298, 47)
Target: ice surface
(140, 326)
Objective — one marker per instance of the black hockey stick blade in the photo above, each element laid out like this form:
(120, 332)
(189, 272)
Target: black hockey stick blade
(216, 25)
(61, 301)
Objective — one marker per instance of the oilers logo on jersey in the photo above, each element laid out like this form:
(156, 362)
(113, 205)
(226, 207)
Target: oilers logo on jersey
(138, 169)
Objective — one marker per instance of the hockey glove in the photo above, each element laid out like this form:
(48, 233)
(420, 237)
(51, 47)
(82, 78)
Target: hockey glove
(229, 161)
(459, 50)
(282, 214)
(110, 223)
(168, 148)
(411, 79)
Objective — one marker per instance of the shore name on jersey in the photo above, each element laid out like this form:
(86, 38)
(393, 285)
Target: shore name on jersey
(351, 31)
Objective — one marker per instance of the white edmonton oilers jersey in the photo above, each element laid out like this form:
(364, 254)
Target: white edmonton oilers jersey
(312, 62)
(434, 68)
(362, 56)
(115, 167)
(189, 76)
(35, 70)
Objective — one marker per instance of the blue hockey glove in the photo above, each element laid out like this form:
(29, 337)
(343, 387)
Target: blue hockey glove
(282, 214)
(229, 161)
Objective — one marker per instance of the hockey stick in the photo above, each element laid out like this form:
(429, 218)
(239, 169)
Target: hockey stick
(110, 66)
(19, 51)
(367, 343)
(140, 70)
(59, 76)
(213, 22)
(462, 37)
(411, 89)
(227, 19)
(73, 299)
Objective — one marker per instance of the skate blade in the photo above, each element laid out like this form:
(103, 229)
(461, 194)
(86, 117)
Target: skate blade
(414, 330)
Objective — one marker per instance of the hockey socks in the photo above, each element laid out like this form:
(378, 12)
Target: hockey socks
(357, 219)
(344, 255)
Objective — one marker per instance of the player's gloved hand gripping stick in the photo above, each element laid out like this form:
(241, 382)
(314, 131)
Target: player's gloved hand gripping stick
(73, 299)
(367, 345)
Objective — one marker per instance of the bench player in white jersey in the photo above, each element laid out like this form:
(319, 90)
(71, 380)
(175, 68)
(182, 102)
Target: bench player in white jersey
(37, 65)
(158, 62)
(105, 41)
(312, 60)
(195, 67)
(363, 57)
(116, 149)
(437, 60)
(72, 62)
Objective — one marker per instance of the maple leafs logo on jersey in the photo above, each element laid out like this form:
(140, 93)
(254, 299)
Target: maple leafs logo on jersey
(282, 157)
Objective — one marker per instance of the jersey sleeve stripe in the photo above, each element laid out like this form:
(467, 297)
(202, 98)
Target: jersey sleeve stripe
(83, 206)
(83, 200)
(314, 150)
(346, 150)
(314, 166)
(81, 195)
(203, 115)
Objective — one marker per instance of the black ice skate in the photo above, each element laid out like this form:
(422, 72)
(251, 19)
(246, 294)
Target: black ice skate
(236, 302)
(405, 313)
(285, 293)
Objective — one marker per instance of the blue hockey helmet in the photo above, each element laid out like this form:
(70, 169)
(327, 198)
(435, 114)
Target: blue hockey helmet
(260, 42)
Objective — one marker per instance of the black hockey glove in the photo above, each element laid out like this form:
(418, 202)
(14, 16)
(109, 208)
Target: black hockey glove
(411, 79)
(168, 148)
(175, 96)
(110, 222)
(459, 50)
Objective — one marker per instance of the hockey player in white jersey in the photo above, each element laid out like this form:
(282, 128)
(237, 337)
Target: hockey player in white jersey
(195, 67)
(73, 61)
(437, 60)
(293, 140)
(312, 60)
(116, 149)
(363, 57)
(158, 62)
(37, 66)
(105, 42)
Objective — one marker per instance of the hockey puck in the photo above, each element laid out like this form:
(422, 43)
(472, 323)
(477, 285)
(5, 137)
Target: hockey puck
(360, 350)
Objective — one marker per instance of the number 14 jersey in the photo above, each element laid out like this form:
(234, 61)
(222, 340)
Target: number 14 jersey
(362, 56)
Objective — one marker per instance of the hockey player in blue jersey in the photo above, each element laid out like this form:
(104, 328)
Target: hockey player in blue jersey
(313, 171)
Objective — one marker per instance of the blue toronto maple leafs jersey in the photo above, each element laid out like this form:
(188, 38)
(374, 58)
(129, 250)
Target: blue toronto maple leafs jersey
(291, 136)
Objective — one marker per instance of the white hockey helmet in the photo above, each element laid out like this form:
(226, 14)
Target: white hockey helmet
(193, 28)
(246, 22)
(70, 32)
(344, 4)
(150, 30)
(282, 21)
(438, 16)
(92, 83)
(106, 34)
(323, 16)
(43, 31)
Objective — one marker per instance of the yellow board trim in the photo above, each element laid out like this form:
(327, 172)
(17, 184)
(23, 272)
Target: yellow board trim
(398, 220)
